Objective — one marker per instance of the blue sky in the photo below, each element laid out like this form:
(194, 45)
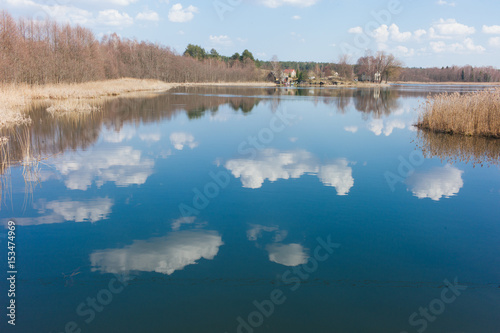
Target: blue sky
(421, 33)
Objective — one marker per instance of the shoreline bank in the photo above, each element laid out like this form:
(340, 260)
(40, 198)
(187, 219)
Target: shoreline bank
(493, 84)
(15, 100)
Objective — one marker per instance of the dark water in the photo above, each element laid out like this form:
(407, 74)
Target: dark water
(252, 210)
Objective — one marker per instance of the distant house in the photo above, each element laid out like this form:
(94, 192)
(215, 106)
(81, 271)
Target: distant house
(364, 77)
(290, 72)
(377, 77)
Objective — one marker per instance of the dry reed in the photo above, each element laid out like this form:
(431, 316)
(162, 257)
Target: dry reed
(471, 114)
(16, 98)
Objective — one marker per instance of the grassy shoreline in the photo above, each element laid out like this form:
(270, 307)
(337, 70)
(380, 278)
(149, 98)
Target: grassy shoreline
(451, 83)
(80, 97)
(471, 114)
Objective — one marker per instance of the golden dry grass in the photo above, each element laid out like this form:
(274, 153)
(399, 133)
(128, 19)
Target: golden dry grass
(15, 99)
(471, 114)
(72, 105)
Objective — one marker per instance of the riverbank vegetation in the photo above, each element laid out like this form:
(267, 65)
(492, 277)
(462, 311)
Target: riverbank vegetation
(471, 114)
(67, 66)
(65, 97)
(364, 69)
(44, 52)
(459, 74)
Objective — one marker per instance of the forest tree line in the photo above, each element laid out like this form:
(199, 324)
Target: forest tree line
(42, 52)
(451, 74)
(391, 69)
(36, 52)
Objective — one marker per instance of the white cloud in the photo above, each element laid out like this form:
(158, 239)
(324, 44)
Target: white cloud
(148, 15)
(419, 33)
(494, 41)
(355, 30)
(124, 166)
(338, 175)
(296, 17)
(112, 17)
(404, 51)
(451, 27)
(352, 129)
(272, 165)
(397, 35)
(295, 3)
(222, 40)
(437, 183)
(287, 254)
(376, 126)
(255, 232)
(180, 15)
(492, 30)
(150, 137)
(392, 124)
(432, 34)
(66, 210)
(446, 3)
(381, 34)
(58, 12)
(126, 133)
(161, 254)
(82, 211)
(466, 46)
(181, 139)
(440, 47)
(45, 219)
(176, 224)
(470, 46)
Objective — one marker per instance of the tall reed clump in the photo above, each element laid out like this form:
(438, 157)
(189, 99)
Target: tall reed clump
(471, 114)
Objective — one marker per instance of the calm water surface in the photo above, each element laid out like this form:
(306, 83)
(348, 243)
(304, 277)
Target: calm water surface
(252, 210)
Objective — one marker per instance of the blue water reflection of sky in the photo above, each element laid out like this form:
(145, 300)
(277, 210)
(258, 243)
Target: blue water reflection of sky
(113, 208)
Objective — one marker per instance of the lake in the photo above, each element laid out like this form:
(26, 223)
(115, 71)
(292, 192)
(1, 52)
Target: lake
(236, 209)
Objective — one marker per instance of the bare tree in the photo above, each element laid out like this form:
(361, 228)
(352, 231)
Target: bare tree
(366, 68)
(39, 52)
(344, 67)
(276, 67)
(387, 65)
